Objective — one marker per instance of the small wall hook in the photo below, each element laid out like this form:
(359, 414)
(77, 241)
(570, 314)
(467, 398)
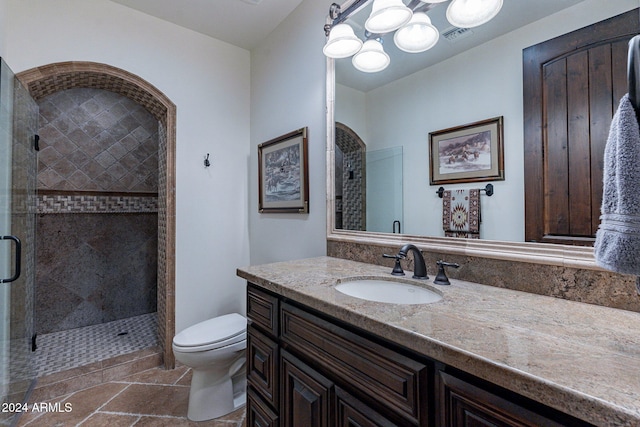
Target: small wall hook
(207, 163)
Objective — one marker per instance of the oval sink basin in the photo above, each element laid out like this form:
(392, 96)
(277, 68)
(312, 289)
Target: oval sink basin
(388, 291)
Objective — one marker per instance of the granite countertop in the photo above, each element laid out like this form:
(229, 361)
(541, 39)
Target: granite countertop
(581, 359)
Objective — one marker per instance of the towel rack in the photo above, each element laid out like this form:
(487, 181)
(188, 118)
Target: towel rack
(488, 189)
(633, 72)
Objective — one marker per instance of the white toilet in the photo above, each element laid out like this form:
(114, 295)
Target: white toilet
(215, 350)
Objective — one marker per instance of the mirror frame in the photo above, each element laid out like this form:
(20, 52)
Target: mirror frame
(538, 253)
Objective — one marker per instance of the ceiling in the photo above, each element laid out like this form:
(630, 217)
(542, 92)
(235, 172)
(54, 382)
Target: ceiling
(245, 23)
(242, 23)
(513, 15)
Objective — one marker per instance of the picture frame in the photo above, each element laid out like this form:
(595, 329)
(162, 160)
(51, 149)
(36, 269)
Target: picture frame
(283, 174)
(469, 153)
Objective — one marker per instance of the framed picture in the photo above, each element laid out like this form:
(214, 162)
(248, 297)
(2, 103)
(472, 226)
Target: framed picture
(469, 153)
(283, 175)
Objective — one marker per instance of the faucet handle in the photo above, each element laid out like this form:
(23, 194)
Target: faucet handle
(441, 277)
(397, 268)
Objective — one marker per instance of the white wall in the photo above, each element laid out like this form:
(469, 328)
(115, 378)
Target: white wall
(3, 26)
(287, 93)
(351, 109)
(208, 80)
(479, 84)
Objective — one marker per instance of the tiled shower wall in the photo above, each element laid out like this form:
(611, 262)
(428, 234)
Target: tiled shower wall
(96, 140)
(97, 205)
(353, 178)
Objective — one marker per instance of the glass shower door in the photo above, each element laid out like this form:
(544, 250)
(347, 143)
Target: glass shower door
(18, 168)
(384, 190)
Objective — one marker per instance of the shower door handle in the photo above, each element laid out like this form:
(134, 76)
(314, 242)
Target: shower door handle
(18, 261)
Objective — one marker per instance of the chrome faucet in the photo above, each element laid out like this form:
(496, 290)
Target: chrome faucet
(419, 267)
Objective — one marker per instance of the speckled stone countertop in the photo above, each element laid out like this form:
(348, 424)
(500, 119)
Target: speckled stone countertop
(581, 359)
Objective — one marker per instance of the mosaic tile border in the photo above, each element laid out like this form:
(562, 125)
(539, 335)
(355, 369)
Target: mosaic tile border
(50, 204)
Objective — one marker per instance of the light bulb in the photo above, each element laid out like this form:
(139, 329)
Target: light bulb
(342, 42)
(371, 58)
(417, 35)
(387, 16)
(471, 13)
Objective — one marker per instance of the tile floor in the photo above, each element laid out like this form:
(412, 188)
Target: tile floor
(64, 350)
(155, 397)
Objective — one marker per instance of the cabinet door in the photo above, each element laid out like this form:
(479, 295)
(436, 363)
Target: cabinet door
(258, 413)
(466, 405)
(306, 395)
(350, 412)
(262, 365)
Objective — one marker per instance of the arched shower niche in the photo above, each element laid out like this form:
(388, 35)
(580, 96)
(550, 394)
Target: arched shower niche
(50, 79)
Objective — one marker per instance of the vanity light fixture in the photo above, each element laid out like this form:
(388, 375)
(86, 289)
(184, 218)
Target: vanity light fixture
(387, 16)
(472, 13)
(415, 32)
(371, 58)
(417, 35)
(342, 42)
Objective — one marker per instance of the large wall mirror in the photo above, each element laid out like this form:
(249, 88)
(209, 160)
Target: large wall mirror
(378, 127)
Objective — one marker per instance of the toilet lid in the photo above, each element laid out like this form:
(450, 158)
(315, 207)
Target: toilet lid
(211, 331)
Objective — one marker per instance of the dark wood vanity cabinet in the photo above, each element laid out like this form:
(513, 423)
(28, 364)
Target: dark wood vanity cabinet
(307, 370)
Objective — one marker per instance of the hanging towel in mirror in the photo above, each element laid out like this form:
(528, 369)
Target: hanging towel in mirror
(461, 213)
(617, 245)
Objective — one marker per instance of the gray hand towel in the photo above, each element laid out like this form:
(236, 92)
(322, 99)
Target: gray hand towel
(617, 245)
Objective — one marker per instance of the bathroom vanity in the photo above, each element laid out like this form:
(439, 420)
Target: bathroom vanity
(480, 356)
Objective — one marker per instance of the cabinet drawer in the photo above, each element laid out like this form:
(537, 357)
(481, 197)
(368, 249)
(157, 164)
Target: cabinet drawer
(262, 310)
(465, 404)
(399, 383)
(262, 365)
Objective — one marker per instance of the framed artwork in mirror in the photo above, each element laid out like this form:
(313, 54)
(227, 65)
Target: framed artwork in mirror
(470, 153)
(283, 174)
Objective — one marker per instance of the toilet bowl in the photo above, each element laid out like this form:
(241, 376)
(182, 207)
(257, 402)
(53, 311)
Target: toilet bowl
(215, 351)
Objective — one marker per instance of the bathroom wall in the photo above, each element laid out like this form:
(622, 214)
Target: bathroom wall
(208, 80)
(287, 93)
(97, 202)
(3, 25)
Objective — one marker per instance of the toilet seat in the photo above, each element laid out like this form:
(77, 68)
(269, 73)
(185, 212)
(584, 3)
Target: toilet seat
(212, 334)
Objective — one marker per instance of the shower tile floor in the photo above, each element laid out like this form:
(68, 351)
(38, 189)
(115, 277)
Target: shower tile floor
(61, 351)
